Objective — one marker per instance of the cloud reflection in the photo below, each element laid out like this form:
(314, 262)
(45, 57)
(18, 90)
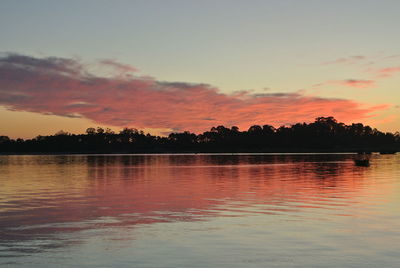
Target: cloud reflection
(57, 197)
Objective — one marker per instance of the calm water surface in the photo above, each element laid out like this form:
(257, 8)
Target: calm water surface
(199, 211)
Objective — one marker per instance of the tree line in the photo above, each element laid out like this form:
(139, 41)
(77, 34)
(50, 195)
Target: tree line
(325, 134)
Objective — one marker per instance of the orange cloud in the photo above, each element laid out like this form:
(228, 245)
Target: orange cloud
(63, 87)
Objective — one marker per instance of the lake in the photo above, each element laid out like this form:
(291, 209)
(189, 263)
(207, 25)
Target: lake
(204, 210)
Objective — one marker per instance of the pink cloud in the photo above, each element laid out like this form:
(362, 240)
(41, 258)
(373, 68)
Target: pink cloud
(54, 86)
(388, 72)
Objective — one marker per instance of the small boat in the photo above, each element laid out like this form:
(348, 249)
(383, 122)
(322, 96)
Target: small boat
(361, 162)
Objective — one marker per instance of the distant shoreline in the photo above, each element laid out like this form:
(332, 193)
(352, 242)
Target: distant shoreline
(325, 135)
(283, 152)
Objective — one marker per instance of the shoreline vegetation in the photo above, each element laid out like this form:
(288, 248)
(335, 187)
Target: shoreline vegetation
(324, 135)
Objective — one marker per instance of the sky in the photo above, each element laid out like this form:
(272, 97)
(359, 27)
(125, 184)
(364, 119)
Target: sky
(165, 66)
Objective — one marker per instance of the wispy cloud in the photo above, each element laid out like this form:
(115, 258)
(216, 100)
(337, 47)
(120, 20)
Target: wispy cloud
(346, 60)
(64, 87)
(356, 83)
(119, 67)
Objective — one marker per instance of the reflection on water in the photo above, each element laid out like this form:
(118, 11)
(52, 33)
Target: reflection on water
(199, 210)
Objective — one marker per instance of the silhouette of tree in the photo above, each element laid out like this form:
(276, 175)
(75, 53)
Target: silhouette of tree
(61, 133)
(100, 130)
(4, 139)
(91, 131)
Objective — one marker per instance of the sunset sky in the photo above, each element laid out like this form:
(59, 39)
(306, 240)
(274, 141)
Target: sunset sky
(167, 66)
